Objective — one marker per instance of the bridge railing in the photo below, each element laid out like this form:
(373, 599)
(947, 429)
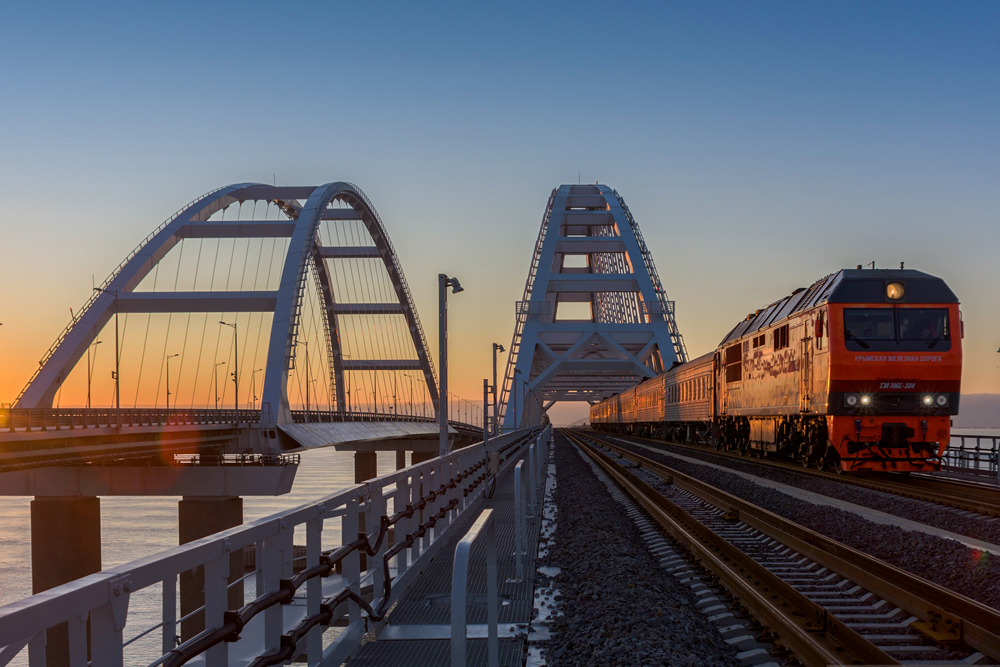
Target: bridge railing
(363, 547)
(54, 419)
(973, 454)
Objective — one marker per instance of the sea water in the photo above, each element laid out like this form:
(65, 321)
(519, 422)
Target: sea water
(133, 527)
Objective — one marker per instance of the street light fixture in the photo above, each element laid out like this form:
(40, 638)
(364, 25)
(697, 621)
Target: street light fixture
(221, 363)
(236, 367)
(514, 391)
(90, 368)
(306, 343)
(253, 386)
(169, 357)
(444, 282)
(497, 347)
(118, 393)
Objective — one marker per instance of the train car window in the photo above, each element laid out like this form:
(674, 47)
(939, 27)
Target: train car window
(863, 324)
(781, 338)
(734, 363)
(930, 324)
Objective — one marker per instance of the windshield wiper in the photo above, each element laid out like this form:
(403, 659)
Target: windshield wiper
(937, 339)
(850, 336)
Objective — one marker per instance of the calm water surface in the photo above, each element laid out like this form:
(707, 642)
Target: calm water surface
(133, 527)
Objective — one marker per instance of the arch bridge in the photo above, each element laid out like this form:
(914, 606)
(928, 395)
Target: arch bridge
(255, 305)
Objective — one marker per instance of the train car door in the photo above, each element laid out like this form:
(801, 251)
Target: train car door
(805, 371)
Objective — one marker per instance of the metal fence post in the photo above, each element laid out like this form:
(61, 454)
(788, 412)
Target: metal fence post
(169, 630)
(519, 520)
(352, 562)
(532, 473)
(459, 583)
(314, 589)
(216, 604)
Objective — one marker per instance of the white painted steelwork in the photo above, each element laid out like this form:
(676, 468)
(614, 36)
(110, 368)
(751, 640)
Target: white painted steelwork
(103, 598)
(628, 333)
(306, 207)
(483, 527)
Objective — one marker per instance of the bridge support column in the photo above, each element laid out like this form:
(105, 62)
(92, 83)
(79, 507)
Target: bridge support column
(198, 517)
(65, 545)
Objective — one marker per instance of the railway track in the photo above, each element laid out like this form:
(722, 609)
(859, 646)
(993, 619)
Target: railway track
(825, 602)
(959, 494)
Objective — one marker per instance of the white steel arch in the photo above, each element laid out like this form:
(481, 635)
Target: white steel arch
(627, 334)
(305, 207)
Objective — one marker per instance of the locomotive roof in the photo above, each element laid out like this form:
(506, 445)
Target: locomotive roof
(848, 286)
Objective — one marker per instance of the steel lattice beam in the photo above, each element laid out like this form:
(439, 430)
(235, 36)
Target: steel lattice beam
(630, 333)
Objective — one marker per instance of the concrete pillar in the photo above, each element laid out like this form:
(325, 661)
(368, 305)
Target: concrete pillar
(200, 517)
(65, 545)
(365, 466)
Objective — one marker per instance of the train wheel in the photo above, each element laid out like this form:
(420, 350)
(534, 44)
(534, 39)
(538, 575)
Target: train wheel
(833, 462)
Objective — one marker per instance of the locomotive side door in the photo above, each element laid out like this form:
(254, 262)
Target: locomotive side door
(805, 370)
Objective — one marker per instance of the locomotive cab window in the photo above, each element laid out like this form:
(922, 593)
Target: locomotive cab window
(929, 324)
(907, 329)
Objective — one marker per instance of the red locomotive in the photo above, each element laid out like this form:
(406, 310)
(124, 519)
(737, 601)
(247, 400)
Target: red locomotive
(861, 371)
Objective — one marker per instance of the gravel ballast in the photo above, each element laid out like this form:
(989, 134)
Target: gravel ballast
(618, 606)
(967, 571)
(931, 514)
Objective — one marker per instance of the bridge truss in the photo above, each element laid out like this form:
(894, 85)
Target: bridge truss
(308, 275)
(595, 318)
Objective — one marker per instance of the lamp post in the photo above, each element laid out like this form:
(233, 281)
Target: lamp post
(236, 367)
(514, 391)
(497, 347)
(90, 369)
(444, 282)
(306, 343)
(221, 363)
(253, 386)
(118, 394)
(169, 357)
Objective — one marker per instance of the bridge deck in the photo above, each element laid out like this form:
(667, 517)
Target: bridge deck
(419, 629)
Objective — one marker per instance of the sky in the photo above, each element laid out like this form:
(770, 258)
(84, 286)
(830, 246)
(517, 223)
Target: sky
(760, 145)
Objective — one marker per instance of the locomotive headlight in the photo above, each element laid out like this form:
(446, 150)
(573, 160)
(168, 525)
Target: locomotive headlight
(928, 400)
(851, 400)
(866, 400)
(941, 400)
(895, 291)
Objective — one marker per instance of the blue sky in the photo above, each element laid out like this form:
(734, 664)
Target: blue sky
(760, 145)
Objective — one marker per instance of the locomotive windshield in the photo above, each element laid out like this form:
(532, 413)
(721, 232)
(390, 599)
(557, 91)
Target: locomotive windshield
(896, 328)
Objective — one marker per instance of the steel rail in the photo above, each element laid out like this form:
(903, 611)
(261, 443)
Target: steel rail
(959, 494)
(941, 612)
(815, 637)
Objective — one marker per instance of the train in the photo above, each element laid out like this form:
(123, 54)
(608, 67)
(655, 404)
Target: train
(859, 372)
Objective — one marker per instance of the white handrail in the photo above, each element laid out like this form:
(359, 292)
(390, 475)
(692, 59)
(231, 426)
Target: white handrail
(483, 526)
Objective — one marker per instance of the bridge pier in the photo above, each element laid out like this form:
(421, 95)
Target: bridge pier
(65, 545)
(198, 517)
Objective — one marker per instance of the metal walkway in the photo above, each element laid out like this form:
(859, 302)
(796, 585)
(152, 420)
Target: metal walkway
(419, 629)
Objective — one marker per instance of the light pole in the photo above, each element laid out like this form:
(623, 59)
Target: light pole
(169, 357)
(514, 391)
(253, 386)
(90, 369)
(497, 347)
(221, 363)
(236, 367)
(444, 282)
(306, 343)
(118, 394)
